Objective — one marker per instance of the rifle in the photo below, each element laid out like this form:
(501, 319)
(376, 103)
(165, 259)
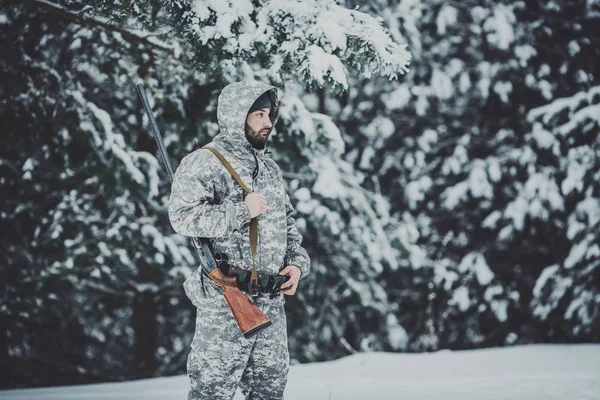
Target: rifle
(248, 316)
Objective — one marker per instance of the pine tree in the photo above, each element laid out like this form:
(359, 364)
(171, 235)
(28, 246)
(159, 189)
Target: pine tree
(566, 299)
(448, 146)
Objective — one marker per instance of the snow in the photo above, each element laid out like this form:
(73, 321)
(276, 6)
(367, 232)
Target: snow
(422, 103)
(28, 165)
(546, 89)
(112, 141)
(478, 182)
(593, 252)
(397, 99)
(427, 139)
(455, 194)
(322, 64)
(559, 288)
(328, 130)
(531, 372)
(524, 53)
(325, 39)
(542, 137)
(415, 190)
(538, 197)
(541, 185)
(483, 85)
(499, 306)
(397, 335)
(461, 298)
(223, 25)
(366, 160)
(503, 89)
(446, 17)
(441, 85)
(154, 166)
(491, 220)
(476, 262)
(386, 127)
(464, 83)
(453, 164)
(544, 71)
(482, 271)
(302, 194)
(574, 179)
(158, 240)
(379, 130)
(581, 306)
(333, 32)
(578, 252)
(329, 184)
(591, 112)
(499, 27)
(494, 170)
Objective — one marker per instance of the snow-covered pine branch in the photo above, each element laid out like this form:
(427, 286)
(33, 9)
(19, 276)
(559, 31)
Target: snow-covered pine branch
(101, 22)
(315, 42)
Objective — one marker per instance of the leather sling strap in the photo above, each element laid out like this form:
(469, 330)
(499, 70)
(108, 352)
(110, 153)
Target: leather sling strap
(253, 221)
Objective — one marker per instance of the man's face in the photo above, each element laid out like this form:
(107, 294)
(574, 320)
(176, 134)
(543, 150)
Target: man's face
(258, 127)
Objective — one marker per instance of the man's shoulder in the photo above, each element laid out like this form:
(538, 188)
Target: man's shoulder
(200, 159)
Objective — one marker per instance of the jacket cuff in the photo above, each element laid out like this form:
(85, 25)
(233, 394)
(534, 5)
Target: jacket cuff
(298, 262)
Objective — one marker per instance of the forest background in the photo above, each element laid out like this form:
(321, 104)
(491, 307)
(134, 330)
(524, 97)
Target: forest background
(443, 158)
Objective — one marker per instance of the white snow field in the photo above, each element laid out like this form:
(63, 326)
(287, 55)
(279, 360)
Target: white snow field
(532, 372)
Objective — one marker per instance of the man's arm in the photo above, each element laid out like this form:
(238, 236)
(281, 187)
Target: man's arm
(191, 208)
(295, 254)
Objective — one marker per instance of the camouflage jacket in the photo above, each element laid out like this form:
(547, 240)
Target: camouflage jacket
(207, 202)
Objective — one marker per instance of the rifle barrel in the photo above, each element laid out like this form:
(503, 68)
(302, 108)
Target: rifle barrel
(154, 129)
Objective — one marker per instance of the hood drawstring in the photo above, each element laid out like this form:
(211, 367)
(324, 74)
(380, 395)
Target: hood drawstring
(255, 172)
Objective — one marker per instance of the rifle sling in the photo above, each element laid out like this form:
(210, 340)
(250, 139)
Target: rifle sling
(253, 221)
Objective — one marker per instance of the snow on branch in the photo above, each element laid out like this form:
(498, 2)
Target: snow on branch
(107, 139)
(316, 41)
(97, 21)
(580, 108)
(328, 38)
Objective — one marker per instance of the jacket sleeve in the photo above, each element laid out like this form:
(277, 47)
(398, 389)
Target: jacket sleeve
(193, 209)
(295, 254)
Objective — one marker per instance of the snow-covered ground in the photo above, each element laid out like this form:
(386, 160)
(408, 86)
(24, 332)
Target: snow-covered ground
(534, 372)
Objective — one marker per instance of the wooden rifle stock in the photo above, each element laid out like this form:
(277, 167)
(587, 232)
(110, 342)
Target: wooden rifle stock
(248, 316)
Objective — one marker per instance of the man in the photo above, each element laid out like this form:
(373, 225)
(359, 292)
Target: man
(207, 202)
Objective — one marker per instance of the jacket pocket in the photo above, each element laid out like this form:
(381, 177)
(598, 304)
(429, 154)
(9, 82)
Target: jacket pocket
(200, 293)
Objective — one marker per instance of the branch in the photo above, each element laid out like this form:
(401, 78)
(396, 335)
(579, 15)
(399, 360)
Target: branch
(302, 177)
(106, 290)
(347, 346)
(96, 22)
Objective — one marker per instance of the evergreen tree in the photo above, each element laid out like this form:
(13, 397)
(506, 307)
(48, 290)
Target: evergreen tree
(449, 147)
(564, 192)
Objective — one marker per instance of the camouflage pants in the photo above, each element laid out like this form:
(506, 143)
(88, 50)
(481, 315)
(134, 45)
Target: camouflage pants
(221, 358)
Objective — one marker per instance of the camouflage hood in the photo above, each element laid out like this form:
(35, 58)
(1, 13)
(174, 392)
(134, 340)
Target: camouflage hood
(232, 109)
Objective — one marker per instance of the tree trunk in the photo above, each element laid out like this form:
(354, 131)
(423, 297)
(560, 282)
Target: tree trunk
(4, 355)
(321, 96)
(145, 326)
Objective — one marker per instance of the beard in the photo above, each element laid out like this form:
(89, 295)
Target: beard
(256, 138)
